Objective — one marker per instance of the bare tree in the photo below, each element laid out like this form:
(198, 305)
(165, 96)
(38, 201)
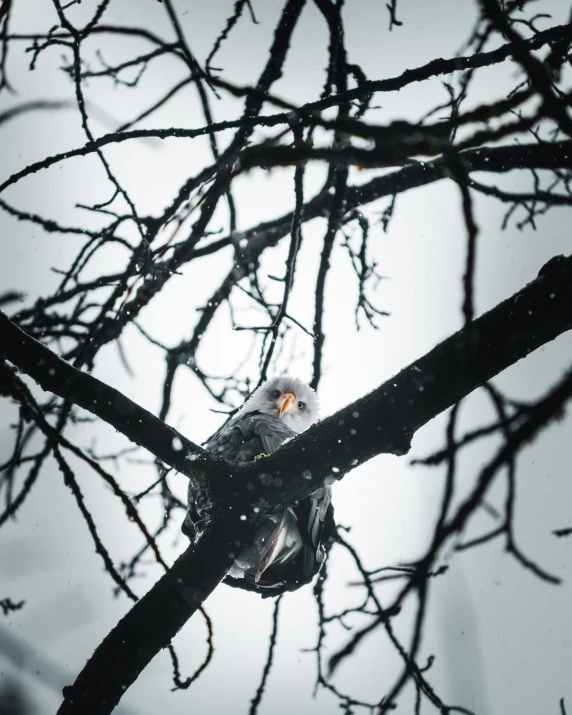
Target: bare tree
(127, 259)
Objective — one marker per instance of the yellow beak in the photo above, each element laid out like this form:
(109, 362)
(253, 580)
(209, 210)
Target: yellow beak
(287, 404)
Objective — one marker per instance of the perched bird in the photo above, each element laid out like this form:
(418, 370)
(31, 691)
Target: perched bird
(288, 549)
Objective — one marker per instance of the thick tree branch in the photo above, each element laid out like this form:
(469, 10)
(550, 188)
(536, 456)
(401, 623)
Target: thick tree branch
(55, 375)
(383, 421)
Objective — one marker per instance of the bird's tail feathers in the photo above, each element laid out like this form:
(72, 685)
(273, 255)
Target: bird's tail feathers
(284, 543)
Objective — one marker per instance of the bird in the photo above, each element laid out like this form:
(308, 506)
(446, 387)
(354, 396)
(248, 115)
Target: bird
(289, 548)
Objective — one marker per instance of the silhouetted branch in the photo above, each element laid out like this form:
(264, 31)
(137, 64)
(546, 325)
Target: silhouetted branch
(8, 605)
(260, 691)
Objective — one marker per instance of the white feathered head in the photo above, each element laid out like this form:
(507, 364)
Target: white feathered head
(286, 398)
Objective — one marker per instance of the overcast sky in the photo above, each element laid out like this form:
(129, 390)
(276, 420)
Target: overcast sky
(502, 638)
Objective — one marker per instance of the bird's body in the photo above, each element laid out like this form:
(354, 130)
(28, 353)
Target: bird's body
(288, 549)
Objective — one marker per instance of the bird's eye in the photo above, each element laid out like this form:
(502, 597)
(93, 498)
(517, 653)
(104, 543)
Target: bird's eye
(275, 394)
(301, 405)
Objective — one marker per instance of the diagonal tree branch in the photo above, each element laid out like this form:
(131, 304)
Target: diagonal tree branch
(383, 421)
(55, 375)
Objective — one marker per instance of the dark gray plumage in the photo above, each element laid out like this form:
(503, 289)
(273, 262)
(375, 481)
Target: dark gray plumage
(289, 548)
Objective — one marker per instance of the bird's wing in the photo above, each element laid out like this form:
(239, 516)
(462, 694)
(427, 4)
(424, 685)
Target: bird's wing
(271, 430)
(319, 502)
(248, 435)
(240, 440)
(282, 546)
(271, 549)
(229, 441)
(316, 525)
(289, 568)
